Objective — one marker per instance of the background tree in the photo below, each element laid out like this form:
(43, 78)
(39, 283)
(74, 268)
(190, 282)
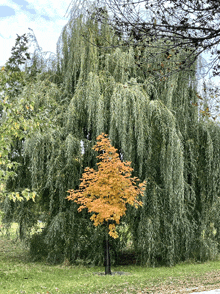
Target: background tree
(190, 25)
(22, 115)
(106, 192)
(14, 115)
(167, 26)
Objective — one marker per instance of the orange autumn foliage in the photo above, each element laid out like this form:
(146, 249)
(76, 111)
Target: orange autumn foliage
(106, 191)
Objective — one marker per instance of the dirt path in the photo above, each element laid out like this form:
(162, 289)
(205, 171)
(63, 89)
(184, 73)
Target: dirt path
(209, 281)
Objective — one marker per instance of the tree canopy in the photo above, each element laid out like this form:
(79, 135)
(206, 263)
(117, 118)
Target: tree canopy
(166, 26)
(190, 25)
(106, 192)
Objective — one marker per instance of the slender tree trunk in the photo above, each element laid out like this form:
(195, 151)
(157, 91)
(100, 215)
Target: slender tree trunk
(107, 256)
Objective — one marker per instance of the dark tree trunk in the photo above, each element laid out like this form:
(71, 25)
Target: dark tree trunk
(107, 256)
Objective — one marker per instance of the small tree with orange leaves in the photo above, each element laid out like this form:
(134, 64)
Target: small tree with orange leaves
(106, 191)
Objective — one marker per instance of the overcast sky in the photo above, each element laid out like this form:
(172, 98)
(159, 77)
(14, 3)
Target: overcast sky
(44, 17)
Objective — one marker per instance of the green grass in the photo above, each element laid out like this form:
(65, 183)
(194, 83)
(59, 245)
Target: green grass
(19, 275)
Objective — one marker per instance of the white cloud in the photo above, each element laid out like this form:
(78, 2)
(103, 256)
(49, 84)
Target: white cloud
(49, 7)
(32, 16)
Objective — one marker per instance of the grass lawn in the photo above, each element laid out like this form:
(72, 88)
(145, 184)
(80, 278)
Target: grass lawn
(19, 275)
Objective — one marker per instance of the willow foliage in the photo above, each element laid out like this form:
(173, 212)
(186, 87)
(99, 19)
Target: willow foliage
(155, 124)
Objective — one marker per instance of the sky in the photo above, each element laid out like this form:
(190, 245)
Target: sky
(45, 17)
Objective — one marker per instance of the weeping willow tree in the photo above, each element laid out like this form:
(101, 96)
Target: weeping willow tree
(153, 123)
